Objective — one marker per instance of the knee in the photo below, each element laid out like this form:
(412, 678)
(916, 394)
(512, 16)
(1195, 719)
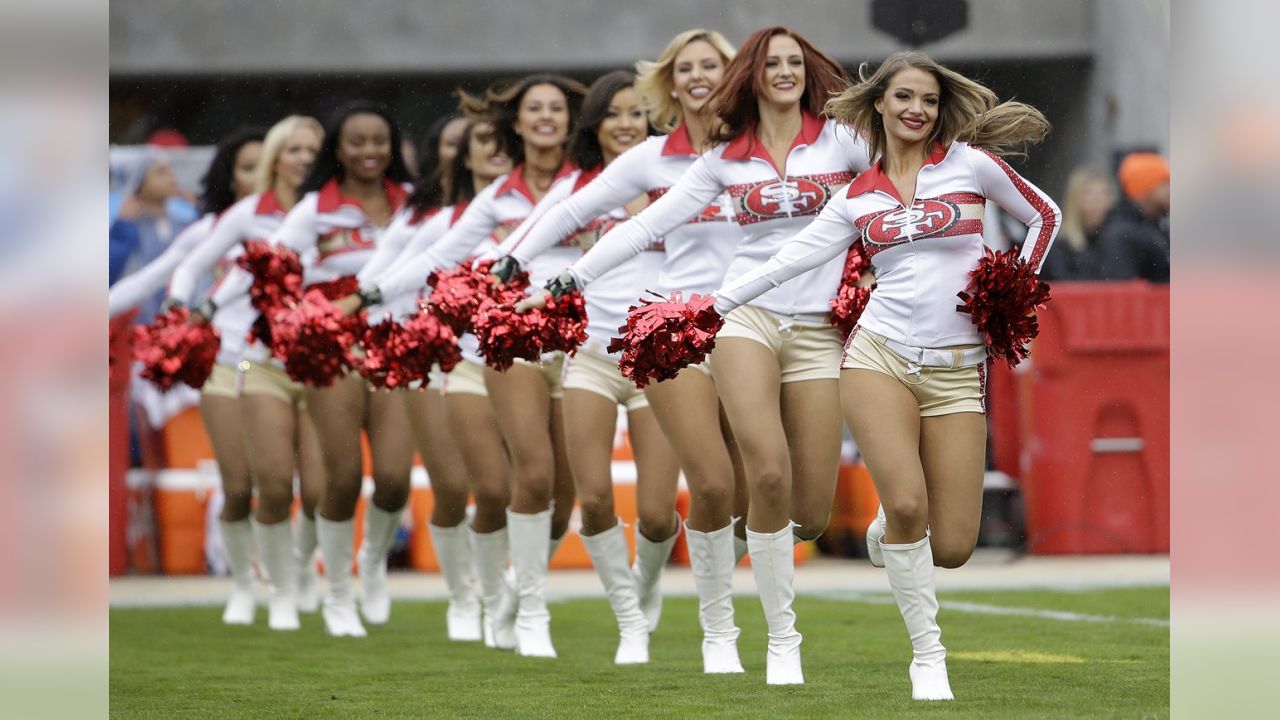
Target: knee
(596, 506)
(906, 511)
(656, 523)
(716, 496)
(390, 493)
(770, 486)
(951, 554)
(236, 505)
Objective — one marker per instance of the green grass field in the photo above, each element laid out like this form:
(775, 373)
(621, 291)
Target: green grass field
(181, 662)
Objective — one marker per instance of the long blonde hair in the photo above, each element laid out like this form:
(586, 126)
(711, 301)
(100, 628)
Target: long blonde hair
(1072, 213)
(273, 145)
(655, 78)
(967, 110)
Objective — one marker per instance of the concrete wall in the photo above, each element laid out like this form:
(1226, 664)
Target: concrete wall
(259, 36)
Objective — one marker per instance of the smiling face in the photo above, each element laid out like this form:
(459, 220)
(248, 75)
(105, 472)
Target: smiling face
(364, 147)
(244, 169)
(783, 71)
(623, 126)
(543, 118)
(697, 70)
(296, 156)
(484, 160)
(909, 108)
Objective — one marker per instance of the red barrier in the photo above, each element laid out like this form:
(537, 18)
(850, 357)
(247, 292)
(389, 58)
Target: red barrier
(1097, 435)
(119, 354)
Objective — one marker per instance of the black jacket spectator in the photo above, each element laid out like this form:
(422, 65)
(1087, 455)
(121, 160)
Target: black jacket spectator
(1131, 245)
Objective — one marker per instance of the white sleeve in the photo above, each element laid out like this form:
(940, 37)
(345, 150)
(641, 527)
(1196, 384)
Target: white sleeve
(830, 234)
(620, 182)
(854, 148)
(476, 224)
(131, 291)
(698, 187)
(228, 231)
(1020, 199)
(557, 194)
(297, 232)
(430, 230)
(389, 246)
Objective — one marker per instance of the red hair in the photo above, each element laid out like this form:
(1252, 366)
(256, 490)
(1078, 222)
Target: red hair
(735, 100)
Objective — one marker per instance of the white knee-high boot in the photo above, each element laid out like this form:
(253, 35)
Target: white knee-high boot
(304, 558)
(275, 547)
(651, 559)
(530, 536)
(237, 539)
(379, 530)
(339, 609)
(711, 559)
(453, 552)
(911, 575)
(875, 536)
(773, 564)
(490, 561)
(609, 553)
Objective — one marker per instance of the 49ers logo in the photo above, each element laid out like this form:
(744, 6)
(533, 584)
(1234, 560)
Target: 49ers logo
(796, 196)
(924, 218)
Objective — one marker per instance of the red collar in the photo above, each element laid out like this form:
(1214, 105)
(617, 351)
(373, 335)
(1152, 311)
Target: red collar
(875, 178)
(331, 197)
(515, 182)
(587, 176)
(268, 204)
(746, 145)
(678, 143)
(457, 212)
(419, 215)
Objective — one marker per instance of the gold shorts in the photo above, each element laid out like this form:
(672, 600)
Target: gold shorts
(938, 390)
(268, 379)
(807, 349)
(466, 378)
(552, 368)
(221, 382)
(599, 374)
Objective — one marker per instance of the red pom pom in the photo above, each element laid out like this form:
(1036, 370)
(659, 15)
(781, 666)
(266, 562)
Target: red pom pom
(561, 324)
(456, 294)
(172, 351)
(337, 288)
(851, 300)
(277, 275)
(1003, 291)
(314, 340)
(504, 335)
(665, 336)
(398, 354)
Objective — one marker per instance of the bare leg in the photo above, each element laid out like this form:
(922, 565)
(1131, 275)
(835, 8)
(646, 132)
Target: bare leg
(590, 422)
(563, 491)
(687, 410)
(222, 422)
(811, 416)
(953, 452)
(484, 453)
(441, 455)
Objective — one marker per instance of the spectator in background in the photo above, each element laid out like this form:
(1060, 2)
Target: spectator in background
(146, 222)
(1090, 196)
(1134, 242)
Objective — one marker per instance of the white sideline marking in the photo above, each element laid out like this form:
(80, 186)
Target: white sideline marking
(984, 609)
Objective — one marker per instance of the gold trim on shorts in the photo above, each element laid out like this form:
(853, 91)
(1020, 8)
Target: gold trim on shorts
(257, 378)
(222, 382)
(466, 378)
(598, 373)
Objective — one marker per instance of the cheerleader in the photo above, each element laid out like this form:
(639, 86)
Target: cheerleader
(352, 193)
(279, 434)
(531, 120)
(612, 122)
(229, 178)
(675, 89)
(913, 375)
(776, 358)
(452, 458)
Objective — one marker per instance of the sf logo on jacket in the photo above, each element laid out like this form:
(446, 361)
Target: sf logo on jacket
(798, 196)
(924, 218)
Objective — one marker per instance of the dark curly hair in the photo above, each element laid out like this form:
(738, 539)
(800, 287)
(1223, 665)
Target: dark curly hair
(217, 193)
(500, 106)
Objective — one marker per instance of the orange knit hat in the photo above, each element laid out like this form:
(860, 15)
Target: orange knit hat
(1140, 172)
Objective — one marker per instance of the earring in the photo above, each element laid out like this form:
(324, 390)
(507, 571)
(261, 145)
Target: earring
(673, 94)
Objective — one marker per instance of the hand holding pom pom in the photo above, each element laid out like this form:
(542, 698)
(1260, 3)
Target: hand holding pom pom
(456, 294)
(314, 339)
(665, 336)
(173, 350)
(1002, 298)
(856, 284)
(396, 354)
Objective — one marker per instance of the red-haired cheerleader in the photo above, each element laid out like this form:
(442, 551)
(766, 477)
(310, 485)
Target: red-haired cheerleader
(474, 454)
(675, 89)
(913, 372)
(776, 359)
(612, 122)
(230, 177)
(352, 193)
(278, 432)
(532, 121)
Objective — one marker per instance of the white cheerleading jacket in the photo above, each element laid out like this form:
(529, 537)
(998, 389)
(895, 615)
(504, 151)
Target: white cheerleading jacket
(922, 254)
(696, 254)
(768, 206)
(495, 212)
(392, 248)
(613, 293)
(330, 232)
